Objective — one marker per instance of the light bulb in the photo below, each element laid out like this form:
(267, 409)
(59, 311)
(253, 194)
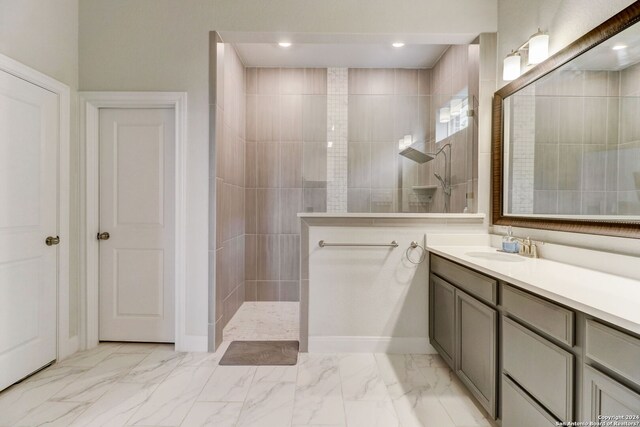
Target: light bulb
(445, 115)
(398, 44)
(511, 67)
(538, 47)
(284, 44)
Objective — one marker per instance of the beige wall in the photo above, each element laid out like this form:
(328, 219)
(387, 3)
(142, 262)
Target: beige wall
(44, 36)
(161, 45)
(565, 20)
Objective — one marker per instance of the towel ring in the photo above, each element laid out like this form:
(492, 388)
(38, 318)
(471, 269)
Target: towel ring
(415, 245)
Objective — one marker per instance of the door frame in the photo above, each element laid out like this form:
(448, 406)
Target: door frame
(90, 105)
(66, 345)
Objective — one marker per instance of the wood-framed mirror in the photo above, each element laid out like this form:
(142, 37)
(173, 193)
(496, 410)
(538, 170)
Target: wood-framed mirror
(566, 137)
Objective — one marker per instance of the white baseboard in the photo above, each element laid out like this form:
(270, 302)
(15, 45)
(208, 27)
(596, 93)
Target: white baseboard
(364, 344)
(70, 346)
(192, 343)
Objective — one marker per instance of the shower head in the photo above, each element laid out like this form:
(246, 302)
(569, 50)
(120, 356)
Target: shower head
(416, 155)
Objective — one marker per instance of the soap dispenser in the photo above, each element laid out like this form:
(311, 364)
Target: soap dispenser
(510, 243)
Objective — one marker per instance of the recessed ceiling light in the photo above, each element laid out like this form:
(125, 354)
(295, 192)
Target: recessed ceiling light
(284, 44)
(397, 44)
(619, 47)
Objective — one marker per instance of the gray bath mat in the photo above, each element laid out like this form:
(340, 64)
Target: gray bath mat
(257, 353)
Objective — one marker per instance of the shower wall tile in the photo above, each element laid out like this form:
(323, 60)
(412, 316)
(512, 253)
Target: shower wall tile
(268, 81)
(268, 256)
(381, 121)
(546, 167)
(384, 200)
(250, 256)
(315, 81)
(379, 81)
(569, 202)
(251, 117)
(251, 210)
(314, 200)
(359, 161)
(291, 117)
(359, 200)
(570, 167)
(596, 83)
(268, 291)
(251, 291)
(291, 163)
(595, 120)
(250, 164)
(571, 117)
(314, 118)
(545, 202)
(290, 206)
(252, 81)
(267, 211)
(267, 164)
(268, 118)
(424, 81)
(290, 291)
(594, 167)
(292, 81)
(384, 165)
(289, 257)
(594, 203)
(406, 82)
(314, 167)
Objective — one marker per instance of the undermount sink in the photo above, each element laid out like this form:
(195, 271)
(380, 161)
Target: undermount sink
(495, 256)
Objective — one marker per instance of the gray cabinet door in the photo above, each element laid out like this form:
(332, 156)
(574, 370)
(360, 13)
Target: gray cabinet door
(442, 318)
(604, 397)
(476, 353)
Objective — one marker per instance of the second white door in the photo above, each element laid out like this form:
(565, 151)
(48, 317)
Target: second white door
(137, 211)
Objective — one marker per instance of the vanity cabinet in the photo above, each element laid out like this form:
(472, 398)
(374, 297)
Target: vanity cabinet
(528, 360)
(463, 327)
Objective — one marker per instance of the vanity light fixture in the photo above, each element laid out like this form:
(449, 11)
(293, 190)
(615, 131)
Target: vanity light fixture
(511, 67)
(398, 44)
(537, 48)
(619, 47)
(284, 44)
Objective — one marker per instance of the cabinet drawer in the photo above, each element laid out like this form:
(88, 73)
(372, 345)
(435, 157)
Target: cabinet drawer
(602, 396)
(474, 283)
(520, 410)
(542, 368)
(613, 349)
(546, 316)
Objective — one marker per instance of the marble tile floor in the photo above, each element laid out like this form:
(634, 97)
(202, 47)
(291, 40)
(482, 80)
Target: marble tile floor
(118, 384)
(259, 321)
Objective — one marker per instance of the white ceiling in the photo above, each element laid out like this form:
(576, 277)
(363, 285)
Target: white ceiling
(353, 55)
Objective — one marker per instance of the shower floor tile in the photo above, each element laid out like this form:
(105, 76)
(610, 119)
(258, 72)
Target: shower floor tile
(264, 321)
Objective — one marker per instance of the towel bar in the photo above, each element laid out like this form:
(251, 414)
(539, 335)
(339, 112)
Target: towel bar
(393, 244)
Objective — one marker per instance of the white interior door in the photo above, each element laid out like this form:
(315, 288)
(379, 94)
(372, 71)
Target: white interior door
(137, 211)
(29, 142)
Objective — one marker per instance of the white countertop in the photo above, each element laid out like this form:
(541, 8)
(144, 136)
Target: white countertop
(399, 215)
(609, 297)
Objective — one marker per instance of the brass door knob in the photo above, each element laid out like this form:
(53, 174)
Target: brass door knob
(103, 236)
(50, 241)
